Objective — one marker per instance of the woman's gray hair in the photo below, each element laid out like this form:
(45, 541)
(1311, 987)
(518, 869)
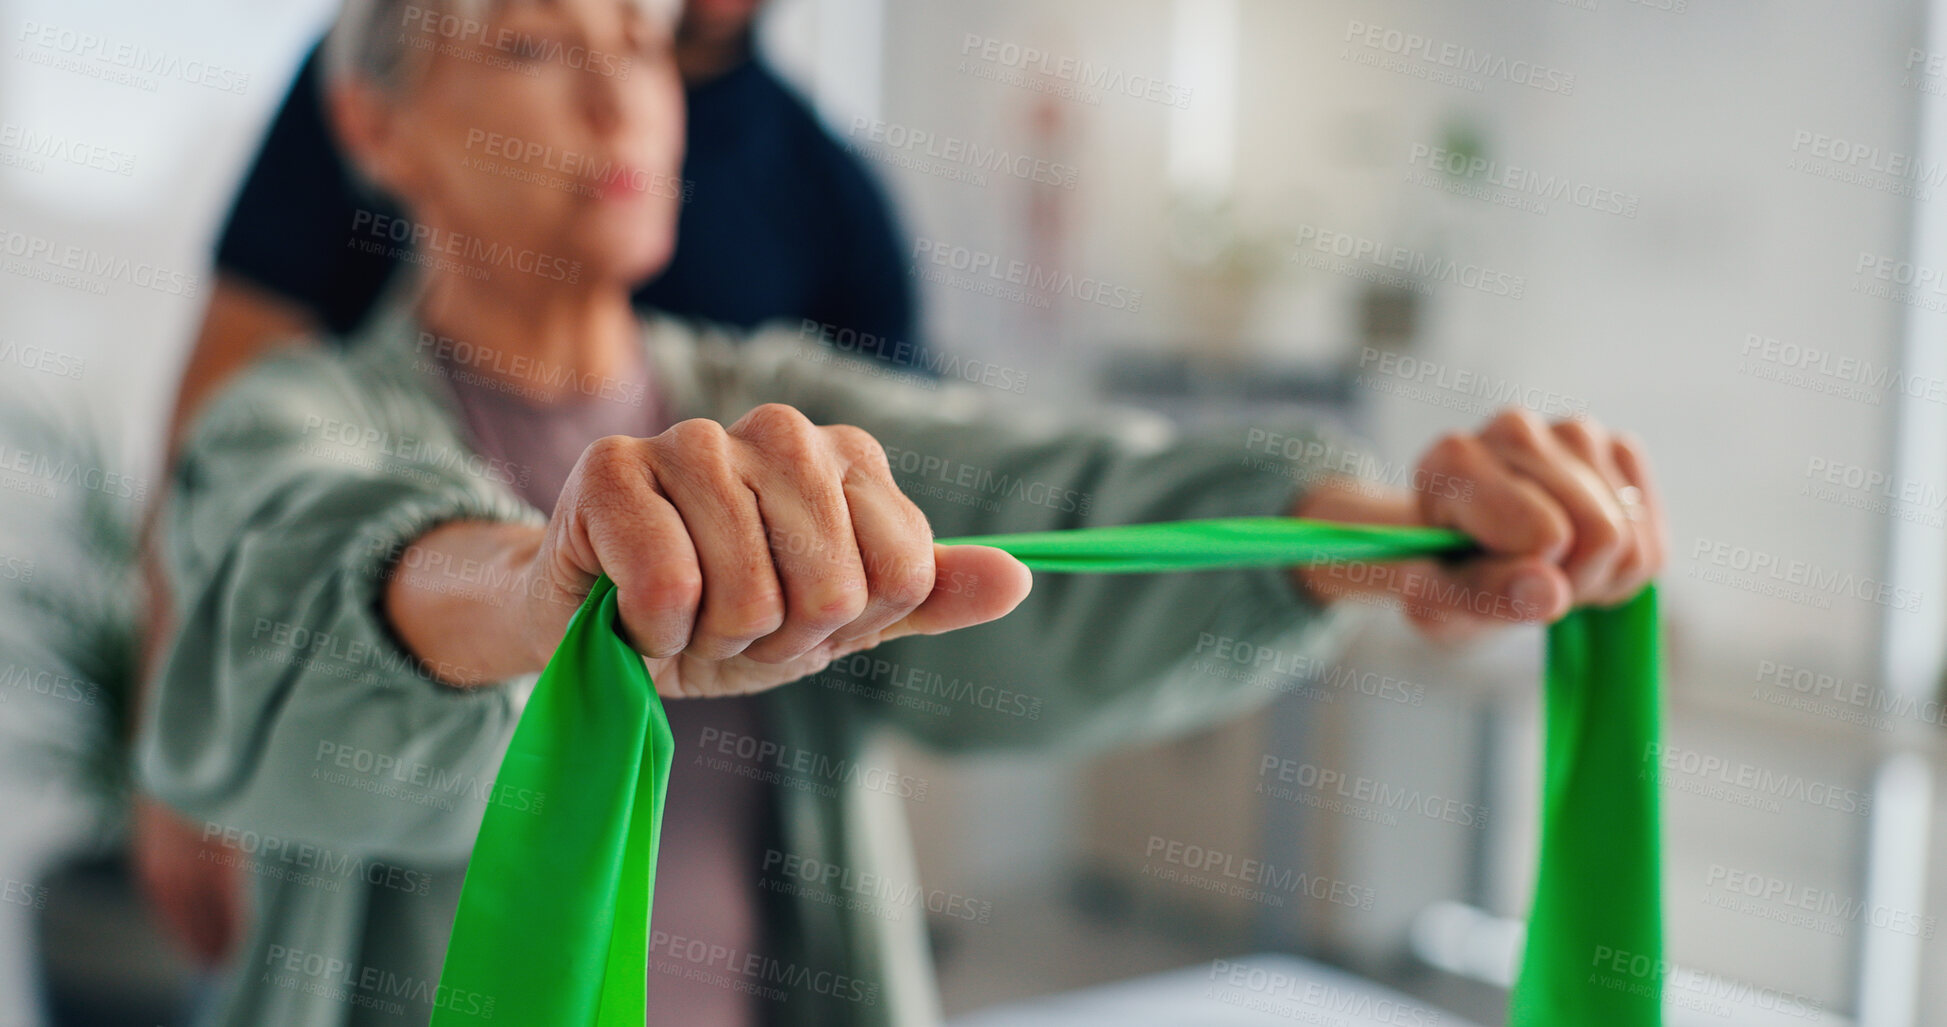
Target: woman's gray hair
(385, 42)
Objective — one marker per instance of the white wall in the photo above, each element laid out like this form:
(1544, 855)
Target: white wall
(1642, 317)
(189, 144)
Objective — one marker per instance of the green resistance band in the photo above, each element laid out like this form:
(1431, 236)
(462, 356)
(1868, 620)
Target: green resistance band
(553, 920)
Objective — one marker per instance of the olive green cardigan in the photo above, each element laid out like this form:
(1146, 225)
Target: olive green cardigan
(289, 721)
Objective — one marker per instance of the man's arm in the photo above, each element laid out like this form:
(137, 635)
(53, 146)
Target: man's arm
(199, 898)
(242, 322)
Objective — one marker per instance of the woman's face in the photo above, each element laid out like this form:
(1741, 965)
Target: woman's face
(554, 127)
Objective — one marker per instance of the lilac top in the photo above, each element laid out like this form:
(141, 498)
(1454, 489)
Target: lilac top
(707, 917)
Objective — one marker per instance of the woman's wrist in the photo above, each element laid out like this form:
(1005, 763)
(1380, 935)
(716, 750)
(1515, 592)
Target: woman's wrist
(460, 600)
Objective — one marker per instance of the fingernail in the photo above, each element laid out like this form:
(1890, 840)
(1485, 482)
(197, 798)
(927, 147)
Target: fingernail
(1532, 594)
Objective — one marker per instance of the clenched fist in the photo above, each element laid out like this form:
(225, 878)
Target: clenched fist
(744, 557)
(1566, 513)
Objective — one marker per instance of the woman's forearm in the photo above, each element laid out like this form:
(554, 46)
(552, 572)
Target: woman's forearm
(457, 599)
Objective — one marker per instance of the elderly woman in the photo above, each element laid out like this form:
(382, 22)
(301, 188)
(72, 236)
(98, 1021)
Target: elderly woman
(372, 551)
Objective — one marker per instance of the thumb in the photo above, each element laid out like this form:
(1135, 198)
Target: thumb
(1454, 600)
(971, 585)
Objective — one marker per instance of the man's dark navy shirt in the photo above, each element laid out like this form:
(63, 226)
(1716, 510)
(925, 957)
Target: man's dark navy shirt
(781, 222)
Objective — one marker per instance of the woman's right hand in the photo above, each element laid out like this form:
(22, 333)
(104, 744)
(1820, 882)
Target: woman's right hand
(744, 557)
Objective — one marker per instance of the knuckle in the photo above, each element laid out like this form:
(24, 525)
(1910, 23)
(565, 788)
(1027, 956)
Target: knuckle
(1583, 438)
(673, 591)
(611, 459)
(794, 451)
(835, 600)
(1450, 449)
(611, 449)
(1516, 428)
(856, 445)
(1549, 530)
(903, 581)
(752, 616)
(696, 442)
(768, 424)
(775, 415)
(694, 431)
(1601, 538)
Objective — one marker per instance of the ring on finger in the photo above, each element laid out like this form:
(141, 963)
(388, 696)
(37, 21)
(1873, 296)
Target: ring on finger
(1631, 499)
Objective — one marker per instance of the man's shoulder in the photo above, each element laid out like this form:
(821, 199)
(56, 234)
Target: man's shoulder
(762, 97)
(754, 91)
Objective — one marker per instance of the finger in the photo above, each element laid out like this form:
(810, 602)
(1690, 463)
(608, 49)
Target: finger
(1600, 530)
(971, 585)
(617, 521)
(1505, 512)
(796, 482)
(808, 525)
(742, 598)
(1633, 463)
(1451, 600)
(1591, 443)
(647, 552)
(895, 542)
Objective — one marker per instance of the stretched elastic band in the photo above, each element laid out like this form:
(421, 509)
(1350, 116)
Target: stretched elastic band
(553, 920)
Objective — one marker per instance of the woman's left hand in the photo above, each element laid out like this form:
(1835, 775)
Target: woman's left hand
(1567, 513)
